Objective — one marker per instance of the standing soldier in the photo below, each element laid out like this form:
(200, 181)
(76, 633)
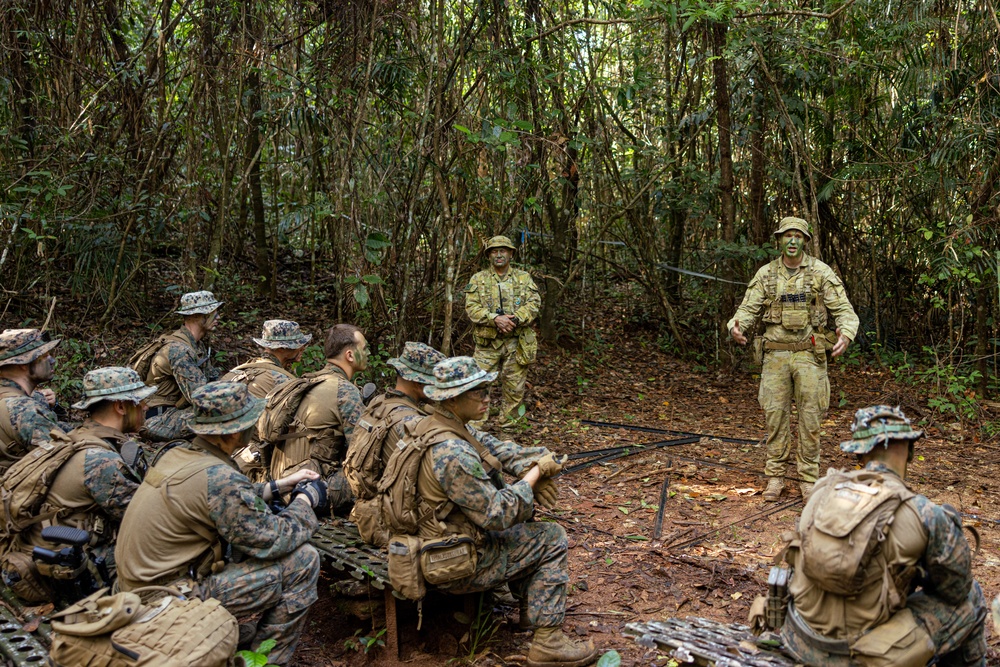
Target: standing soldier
(283, 343)
(177, 364)
(793, 292)
(26, 415)
(502, 302)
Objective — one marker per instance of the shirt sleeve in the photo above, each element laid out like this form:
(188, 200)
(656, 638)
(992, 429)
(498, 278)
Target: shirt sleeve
(835, 298)
(516, 459)
(244, 520)
(109, 481)
(947, 561)
(350, 405)
(528, 311)
(184, 367)
(457, 468)
(33, 421)
(753, 300)
(474, 306)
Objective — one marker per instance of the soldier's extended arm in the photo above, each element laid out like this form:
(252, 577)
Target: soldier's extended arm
(753, 301)
(185, 369)
(947, 560)
(474, 307)
(110, 482)
(457, 467)
(835, 298)
(528, 310)
(33, 421)
(516, 459)
(244, 520)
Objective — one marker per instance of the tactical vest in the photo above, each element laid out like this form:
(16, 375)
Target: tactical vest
(256, 376)
(794, 311)
(488, 292)
(160, 374)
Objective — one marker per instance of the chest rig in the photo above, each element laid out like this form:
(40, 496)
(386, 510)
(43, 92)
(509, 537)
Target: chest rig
(796, 308)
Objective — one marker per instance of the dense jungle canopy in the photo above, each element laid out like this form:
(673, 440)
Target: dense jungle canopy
(353, 155)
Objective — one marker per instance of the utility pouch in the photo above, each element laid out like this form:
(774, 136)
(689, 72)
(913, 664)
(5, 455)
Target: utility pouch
(448, 559)
(758, 350)
(527, 347)
(899, 642)
(794, 320)
(404, 567)
(830, 337)
(367, 514)
(777, 596)
(21, 575)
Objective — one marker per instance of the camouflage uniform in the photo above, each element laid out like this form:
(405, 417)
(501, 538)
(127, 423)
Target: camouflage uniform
(795, 348)
(264, 373)
(25, 421)
(212, 521)
(923, 547)
(489, 295)
(326, 418)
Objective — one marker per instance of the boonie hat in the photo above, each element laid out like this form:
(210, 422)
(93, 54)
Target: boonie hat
(198, 303)
(793, 223)
(455, 376)
(22, 346)
(113, 383)
(417, 362)
(224, 407)
(877, 425)
(500, 242)
(282, 334)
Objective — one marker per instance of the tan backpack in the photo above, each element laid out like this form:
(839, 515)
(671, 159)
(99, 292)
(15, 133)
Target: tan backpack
(123, 631)
(843, 527)
(363, 463)
(142, 361)
(282, 404)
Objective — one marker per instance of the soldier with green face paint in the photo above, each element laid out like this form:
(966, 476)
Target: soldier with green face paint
(792, 295)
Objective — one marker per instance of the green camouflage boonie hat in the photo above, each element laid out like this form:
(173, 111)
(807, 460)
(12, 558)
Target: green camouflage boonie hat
(282, 334)
(224, 407)
(877, 425)
(113, 384)
(793, 223)
(417, 363)
(22, 346)
(455, 376)
(198, 303)
(500, 242)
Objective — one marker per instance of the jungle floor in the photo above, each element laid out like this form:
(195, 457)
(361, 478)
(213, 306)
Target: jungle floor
(718, 537)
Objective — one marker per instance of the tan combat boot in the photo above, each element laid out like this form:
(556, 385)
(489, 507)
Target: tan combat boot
(775, 485)
(551, 648)
(807, 489)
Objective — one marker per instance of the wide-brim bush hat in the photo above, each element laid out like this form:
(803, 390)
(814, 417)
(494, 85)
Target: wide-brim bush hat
(283, 334)
(198, 303)
(455, 376)
(113, 383)
(791, 222)
(500, 242)
(224, 407)
(22, 346)
(877, 425)
(417, 362)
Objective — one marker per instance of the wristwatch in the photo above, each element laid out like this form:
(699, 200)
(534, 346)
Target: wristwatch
(275, 494)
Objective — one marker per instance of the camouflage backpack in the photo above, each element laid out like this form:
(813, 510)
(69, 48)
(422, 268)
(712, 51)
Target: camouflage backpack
(142, 361)
(282, 404)
(363, 463)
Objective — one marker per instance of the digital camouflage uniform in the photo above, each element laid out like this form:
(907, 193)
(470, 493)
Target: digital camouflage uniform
(928, 559)
(25, 421)
(325, 418)
(212, 521)
(179, 367)
(489, 295)
(793, 305)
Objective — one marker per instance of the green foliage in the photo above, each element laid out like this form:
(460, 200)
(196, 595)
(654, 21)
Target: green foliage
(258, 658)
(74, 358)
(609, 659)
(365, 644)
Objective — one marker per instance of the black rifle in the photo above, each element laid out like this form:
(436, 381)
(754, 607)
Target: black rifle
(77, 580)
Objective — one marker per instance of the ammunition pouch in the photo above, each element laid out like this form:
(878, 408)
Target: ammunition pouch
(527, 346)
(777, 596)
(758, 350)
(21, 575)
(404, 567)
(794, 319)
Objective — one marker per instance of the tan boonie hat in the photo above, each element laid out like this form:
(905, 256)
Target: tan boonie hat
(793, 223)
(500, 242)
(283, 334)
(455, 376)
(22, 346)
(224, 407)
(417, 362)
(113, 384)
(198, 303)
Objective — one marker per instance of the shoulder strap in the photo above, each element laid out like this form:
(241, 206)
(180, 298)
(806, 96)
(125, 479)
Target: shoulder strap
(7, 435)
(438, 428)
(156, 478)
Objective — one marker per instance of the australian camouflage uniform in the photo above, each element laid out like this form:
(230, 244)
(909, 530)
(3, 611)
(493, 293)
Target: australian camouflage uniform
(25, 421)
(489, 295)
(215, 533)
(793, 306)
(319, 432)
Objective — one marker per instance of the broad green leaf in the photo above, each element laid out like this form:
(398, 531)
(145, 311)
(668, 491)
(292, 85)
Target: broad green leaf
(610, 659)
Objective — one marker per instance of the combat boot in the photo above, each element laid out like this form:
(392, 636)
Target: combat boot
(775, 485)
(807, 489)
(551, 648)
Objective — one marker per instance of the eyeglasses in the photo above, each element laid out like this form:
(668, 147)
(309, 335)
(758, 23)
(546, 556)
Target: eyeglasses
(478, 394)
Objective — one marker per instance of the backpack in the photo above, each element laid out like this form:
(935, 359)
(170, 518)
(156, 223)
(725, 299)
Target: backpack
(142, 361)
(26, 483)
(363, 463)
(843, 527)
(282, 404)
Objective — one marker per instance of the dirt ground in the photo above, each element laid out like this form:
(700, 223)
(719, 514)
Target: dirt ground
(718, 537)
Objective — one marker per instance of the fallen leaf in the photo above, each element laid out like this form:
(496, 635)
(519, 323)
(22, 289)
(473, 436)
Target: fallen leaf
(736, 596)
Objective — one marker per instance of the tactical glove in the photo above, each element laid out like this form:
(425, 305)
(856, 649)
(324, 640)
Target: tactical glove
(551, 464)
(314, 490)
(546, 493)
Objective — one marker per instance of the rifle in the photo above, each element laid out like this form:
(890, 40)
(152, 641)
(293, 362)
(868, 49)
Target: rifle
(68, 569)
